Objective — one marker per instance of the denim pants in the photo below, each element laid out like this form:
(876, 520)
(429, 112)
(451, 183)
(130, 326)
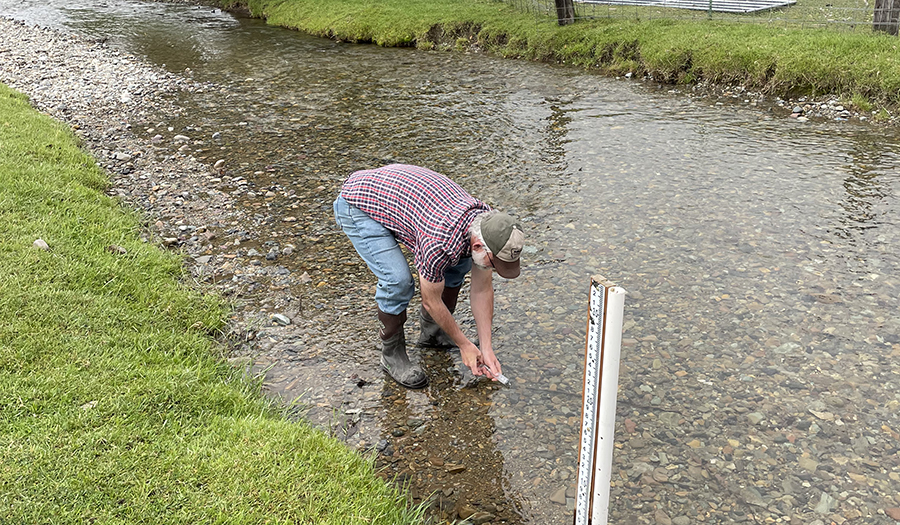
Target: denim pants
(379, 249)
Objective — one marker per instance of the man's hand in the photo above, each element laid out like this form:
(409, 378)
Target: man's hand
(481, 362)
(472, 358)
(490, 361)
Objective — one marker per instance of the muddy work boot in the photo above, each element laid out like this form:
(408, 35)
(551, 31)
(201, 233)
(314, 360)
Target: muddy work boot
(432, 335)
(394, 359)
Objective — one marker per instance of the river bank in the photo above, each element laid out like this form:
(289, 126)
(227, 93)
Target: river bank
(857, 78)
(194, 201)
(117, 405)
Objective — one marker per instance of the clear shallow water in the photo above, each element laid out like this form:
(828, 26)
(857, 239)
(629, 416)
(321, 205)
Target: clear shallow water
(758, 253)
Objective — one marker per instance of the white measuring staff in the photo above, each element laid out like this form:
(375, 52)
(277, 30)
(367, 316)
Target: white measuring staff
(598, 417)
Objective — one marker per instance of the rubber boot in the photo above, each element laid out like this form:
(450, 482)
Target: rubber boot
(432, 336)
(394, 359)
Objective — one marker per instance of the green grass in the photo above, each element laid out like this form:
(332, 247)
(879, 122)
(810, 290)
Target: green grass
(115, 404)
(779, 60)
(861, 103)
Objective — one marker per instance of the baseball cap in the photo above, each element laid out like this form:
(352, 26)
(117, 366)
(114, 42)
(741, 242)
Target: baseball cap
(505, 239)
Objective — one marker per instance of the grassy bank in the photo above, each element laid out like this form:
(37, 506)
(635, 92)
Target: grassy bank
(860, 66)
(115, 406)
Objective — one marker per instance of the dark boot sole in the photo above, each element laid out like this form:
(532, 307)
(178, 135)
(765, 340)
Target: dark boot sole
(426, 344)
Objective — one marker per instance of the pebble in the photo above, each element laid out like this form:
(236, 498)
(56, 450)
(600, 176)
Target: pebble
(661, 517)
(41, 244)
(464, 511)
(480, 518)
(808, 464)
(281, 319)
(559, 496)
(826, 504)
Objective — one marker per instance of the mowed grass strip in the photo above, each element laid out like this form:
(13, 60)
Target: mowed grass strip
(857, 65)
(115, 405)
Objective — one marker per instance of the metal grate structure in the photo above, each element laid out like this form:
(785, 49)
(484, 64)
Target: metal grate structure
(850, 15)
(719, 6)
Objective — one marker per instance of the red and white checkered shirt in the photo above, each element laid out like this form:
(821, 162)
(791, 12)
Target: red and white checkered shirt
(429, 213)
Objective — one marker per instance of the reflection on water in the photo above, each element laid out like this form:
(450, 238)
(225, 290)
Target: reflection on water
(868, 186)
(757, 252)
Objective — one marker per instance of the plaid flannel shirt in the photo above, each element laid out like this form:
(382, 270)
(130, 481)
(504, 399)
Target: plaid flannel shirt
(427, 212)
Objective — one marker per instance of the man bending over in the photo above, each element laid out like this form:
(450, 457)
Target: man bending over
(447, 230)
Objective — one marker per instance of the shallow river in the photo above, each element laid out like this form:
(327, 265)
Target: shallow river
(760, 371)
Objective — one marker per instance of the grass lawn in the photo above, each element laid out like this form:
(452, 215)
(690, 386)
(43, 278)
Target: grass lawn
(115, 403)
(780, 59)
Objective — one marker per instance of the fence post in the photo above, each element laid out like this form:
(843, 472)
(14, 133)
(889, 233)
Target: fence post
(887, 15)
(565, 12)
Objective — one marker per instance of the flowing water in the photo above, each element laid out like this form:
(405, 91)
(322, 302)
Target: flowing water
(759, 254)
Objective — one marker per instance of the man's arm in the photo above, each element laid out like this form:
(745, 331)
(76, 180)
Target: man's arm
(482, 298)
(431, 301)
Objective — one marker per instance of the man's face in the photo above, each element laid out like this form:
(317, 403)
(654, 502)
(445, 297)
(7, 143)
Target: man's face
(480, 257)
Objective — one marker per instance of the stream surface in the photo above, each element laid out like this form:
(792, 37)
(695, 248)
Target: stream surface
(760, 378)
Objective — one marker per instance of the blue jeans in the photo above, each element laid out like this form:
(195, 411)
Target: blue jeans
(379, 249)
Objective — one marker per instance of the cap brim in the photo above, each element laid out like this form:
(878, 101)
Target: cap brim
(507, 270)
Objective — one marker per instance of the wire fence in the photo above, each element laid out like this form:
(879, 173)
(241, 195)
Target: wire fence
(852, 15)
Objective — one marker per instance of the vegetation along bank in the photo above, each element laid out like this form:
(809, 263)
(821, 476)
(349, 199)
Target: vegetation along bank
(115, 403)
(858, 67)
